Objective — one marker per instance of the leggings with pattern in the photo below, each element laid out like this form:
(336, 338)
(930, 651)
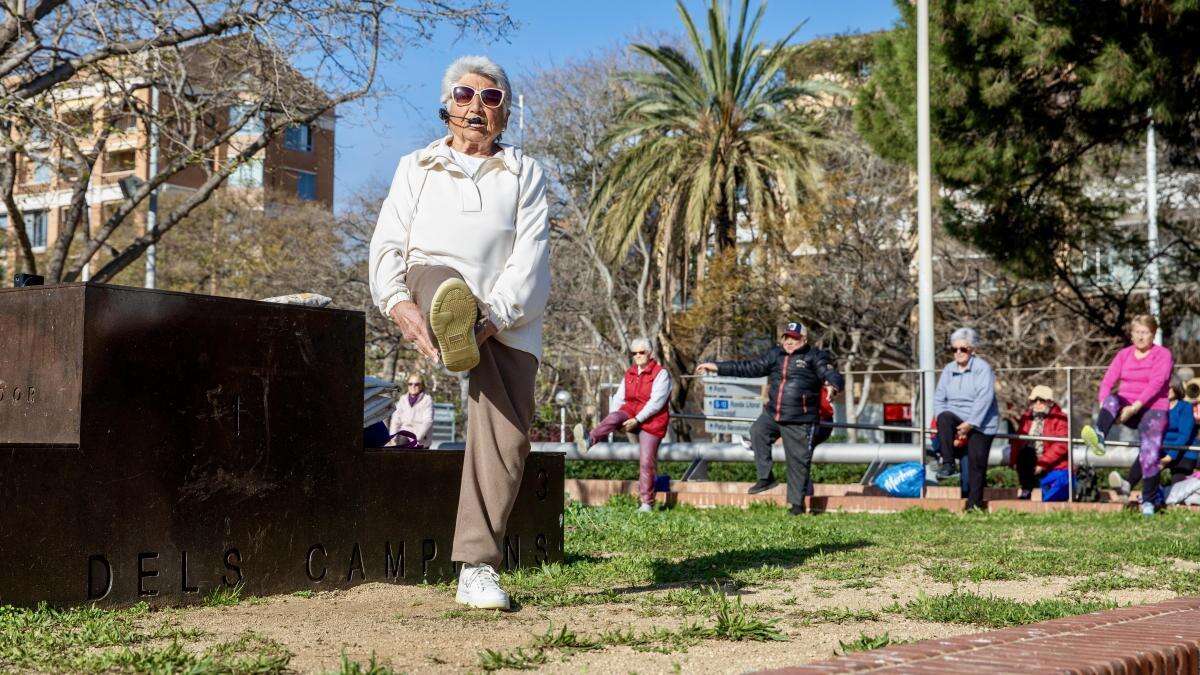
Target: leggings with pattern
(1151, 426)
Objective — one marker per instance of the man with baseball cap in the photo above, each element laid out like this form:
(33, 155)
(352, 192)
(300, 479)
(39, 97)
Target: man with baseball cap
(795, 372)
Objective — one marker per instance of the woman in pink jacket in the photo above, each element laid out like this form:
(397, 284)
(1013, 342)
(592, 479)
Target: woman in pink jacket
(1144, 372)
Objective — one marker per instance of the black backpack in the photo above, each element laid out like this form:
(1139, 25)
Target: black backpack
(1087, 485)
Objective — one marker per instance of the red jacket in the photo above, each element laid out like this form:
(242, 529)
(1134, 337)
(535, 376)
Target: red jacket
(637, 393)
(1054, 453)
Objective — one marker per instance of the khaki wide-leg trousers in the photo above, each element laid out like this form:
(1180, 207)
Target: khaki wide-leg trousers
(499, 417)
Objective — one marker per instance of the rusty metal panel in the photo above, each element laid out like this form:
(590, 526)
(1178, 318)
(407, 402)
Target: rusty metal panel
(220, 443)
(41, 361)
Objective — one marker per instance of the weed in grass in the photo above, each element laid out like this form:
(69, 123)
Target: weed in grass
(859, 584)
(731, 621)
(250, 653)
(565, 639)
(174, 632)
(735, 623)
(517, 659)
(622, 637)
(1173, 580)
(89, 639)
(760, 574)
(836, 615)
(223, 596)
(686, 601)
(303, 594)
(371, 667)
(665, 641)
(565, 599)
(993, 612)
(864, 643)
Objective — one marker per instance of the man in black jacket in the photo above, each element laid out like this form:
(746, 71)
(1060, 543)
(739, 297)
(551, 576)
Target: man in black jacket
(795, 373)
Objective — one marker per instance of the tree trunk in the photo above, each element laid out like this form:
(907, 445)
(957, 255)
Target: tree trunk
(16, 221)
(725, 229)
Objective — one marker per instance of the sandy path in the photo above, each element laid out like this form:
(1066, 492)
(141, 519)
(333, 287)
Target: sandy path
(420, 629)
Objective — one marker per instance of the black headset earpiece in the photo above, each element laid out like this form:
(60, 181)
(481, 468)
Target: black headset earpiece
(444, 115)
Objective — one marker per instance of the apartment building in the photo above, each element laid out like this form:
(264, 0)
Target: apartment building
(296, 165)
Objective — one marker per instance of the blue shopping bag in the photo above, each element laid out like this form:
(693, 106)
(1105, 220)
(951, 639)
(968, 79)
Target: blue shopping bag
(1056, 485)
(902, 480)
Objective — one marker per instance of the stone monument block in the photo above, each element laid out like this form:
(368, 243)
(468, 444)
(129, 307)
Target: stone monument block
(157, 445)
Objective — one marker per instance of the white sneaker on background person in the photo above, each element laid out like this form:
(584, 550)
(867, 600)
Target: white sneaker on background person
(479, 587)
(1119, 484)
(645, 508)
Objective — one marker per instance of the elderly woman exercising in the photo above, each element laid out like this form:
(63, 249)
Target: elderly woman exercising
(639, 406)
(1143, 370)
(460, 260)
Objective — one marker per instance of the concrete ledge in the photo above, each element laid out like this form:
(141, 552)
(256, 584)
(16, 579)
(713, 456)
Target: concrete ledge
(1159, 638)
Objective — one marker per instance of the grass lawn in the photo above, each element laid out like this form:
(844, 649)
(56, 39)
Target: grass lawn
(649, 591)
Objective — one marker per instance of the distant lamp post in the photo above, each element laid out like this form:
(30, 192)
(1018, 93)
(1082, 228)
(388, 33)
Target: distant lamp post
(563, 399)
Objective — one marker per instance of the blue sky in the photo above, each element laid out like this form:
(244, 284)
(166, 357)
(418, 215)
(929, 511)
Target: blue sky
(372, 138)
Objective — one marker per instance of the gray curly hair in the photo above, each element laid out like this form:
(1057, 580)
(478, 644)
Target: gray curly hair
(479, 65)
(967, 335)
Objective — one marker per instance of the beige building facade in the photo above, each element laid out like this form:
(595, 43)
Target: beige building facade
(298, 164)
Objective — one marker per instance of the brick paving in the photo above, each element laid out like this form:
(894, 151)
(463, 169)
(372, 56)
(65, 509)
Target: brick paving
(1158, 638)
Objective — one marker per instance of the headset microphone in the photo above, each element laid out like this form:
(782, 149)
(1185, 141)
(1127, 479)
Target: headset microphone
(445, 117)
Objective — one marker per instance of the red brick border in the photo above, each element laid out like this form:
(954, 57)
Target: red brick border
(848, 498)
(1159, 638)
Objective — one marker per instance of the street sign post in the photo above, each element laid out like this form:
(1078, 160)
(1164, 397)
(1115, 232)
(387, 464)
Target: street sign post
(736, 397)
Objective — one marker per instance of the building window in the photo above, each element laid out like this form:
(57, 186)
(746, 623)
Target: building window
(298, 137)
(35, 227)
(120, 160)
(79, 121)
(123, 121)
(253, 125)
(40, 170)
(37, 137)
(306, 185)
(249, 174)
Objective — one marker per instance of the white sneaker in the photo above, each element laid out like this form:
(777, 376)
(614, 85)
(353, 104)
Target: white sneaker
(1119, 484)
(645, 508)
(479, 587)
(580, 439)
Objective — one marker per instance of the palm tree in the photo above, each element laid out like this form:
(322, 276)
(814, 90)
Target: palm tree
(707, 141)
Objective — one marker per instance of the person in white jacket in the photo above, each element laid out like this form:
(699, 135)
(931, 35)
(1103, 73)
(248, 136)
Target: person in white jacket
(414, 413)
(460, 258)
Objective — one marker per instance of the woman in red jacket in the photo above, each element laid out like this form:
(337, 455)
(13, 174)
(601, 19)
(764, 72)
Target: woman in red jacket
(1035, 459)
(639, 406)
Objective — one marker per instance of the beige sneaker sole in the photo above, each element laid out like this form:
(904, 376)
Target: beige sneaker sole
(452, 316)
(580, 440)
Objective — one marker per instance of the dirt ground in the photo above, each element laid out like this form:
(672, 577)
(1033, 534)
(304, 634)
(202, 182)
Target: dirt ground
(418, 629)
